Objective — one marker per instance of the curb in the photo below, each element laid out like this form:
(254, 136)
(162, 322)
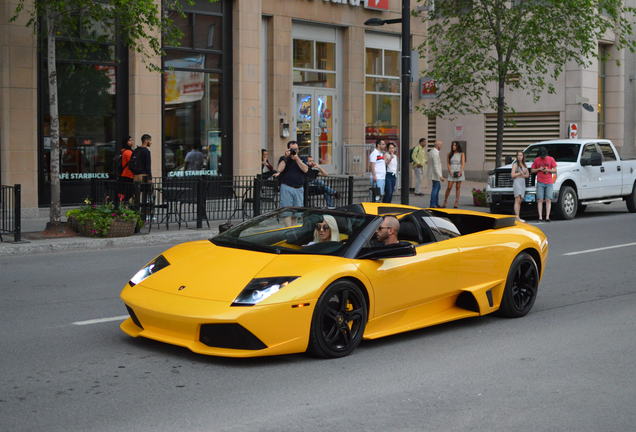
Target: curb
(88, 243)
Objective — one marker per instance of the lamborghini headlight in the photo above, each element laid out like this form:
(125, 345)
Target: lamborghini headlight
(151, 268)
(260, 288)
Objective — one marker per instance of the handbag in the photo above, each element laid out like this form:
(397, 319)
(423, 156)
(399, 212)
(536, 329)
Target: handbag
(455, 174)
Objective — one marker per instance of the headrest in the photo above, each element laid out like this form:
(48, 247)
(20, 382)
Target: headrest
(409, 231)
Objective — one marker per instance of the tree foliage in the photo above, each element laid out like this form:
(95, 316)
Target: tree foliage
(84, 25)
(518, 44)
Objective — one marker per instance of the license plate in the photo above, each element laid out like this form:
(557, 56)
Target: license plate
(529, 198)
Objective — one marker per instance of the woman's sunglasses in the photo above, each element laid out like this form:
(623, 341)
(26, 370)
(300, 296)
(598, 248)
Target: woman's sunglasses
(322, 227)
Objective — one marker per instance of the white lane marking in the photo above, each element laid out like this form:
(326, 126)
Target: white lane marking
(600, 249)
(101, 320)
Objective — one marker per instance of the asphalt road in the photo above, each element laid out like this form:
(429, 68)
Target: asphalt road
(568, 366)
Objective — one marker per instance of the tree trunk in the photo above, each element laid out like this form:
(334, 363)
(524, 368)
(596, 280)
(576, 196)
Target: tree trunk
(501, 110)
(55, 211)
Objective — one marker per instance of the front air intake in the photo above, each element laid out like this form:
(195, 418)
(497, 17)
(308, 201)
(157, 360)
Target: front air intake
(134, 317)
(233, 336)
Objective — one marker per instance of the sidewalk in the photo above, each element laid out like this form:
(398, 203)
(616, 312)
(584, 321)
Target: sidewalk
(35, 244)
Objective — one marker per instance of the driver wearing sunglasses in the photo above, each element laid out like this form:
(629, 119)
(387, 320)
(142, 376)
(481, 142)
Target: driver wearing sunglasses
(387, 232)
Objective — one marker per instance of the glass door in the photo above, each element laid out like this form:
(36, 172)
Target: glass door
(315, 126)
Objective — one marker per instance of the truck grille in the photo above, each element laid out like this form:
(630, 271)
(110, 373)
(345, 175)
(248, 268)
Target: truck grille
(504, 180)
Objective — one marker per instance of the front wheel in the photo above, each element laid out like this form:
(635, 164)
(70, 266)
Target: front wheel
(339, 320)
(568, 203)
(521, 287)
(630, 200)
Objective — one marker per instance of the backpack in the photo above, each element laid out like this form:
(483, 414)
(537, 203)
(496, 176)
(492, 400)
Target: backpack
(118, 168)
(411, 160)
(134, 164)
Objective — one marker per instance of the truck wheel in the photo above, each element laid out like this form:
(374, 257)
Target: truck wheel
(630, 200)
(567, 206)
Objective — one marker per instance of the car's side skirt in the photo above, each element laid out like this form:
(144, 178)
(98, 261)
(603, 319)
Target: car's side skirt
(436, 312)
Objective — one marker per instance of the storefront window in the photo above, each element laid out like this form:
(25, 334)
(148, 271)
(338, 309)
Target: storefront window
(87, 121)
(192, 104)
(382, 97)
(314, 63)
(88, 75)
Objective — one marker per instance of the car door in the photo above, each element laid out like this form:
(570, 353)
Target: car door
(590, 186)
(402, 284)
(610, 171)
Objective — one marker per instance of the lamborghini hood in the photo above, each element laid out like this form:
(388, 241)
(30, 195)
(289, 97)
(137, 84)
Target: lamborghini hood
(202, 270)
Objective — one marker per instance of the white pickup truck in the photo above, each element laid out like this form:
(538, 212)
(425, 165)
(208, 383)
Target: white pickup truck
(589, 171)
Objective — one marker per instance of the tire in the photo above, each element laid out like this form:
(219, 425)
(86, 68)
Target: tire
(521, 287)
(630, 200)
(568, 203)
(339, 320)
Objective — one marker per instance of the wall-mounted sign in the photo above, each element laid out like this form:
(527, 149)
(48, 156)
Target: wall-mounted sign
(382, 5)
(573, 131)
(428, 87)
(459, 131)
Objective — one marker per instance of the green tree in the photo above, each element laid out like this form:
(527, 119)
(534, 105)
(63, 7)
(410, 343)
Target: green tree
(518, 44)
(138, 23)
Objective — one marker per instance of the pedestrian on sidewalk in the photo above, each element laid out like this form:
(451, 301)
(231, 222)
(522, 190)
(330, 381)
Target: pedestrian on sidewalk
(319, 185)
(519, 174)
(291, 172)
(544, 166)
(125, 177)
(391, 160)
(456, 162)
(418, 161)
(140, 164)
(377, 166)
(435, 171)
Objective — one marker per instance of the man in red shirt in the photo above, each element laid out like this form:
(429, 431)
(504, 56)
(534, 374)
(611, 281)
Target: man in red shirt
(544, 166)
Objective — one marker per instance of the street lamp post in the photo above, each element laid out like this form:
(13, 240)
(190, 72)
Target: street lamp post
(405, 133)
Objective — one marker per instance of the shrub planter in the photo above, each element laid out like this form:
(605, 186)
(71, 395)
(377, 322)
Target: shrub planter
(121, 228)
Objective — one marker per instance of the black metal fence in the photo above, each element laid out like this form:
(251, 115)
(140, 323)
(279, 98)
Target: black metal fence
(10, 209)
(165, 201)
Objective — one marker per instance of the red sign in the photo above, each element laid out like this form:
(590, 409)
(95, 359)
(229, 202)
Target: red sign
(377, 4)
(428, 87)
(327, 113)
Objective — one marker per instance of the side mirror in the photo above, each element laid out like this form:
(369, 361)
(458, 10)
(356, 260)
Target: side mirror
(596, 159)
(508, 160)
(383, 252)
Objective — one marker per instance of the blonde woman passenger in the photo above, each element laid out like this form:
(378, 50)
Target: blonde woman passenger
(325, 230)
(519, 174)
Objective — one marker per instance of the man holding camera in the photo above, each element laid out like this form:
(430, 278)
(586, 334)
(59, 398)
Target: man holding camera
(291, 173)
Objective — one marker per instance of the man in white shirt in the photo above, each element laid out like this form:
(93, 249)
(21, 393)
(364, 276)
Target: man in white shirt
(435, 170)
(378, 168)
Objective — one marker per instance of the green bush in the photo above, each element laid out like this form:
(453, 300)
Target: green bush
(98, 218)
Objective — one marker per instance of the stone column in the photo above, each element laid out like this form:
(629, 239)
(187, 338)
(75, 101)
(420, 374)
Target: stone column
(281, 81)
(581, 85)
(18, 105)
(246, 94)
(353, 104)
(615, 97)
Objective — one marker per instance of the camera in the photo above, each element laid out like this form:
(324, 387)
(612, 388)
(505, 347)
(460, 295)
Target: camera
(292, 152)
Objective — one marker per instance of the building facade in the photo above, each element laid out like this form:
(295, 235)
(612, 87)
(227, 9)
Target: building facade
(251, 75)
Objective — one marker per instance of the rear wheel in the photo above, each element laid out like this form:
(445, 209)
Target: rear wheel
(630, 200)
(521, 287)
(339, 320)
(567, 206)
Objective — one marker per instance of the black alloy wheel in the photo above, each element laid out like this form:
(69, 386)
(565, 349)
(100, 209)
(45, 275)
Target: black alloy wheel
(521, 287)
(339, 320)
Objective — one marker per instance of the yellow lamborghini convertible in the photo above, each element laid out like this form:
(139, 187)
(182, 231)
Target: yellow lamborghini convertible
(300, 279)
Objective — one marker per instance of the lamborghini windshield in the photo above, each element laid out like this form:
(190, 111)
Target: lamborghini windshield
(296, 231)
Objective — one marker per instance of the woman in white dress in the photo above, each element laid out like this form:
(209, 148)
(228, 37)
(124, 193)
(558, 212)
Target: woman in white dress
(456, 162)
(519, 174)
